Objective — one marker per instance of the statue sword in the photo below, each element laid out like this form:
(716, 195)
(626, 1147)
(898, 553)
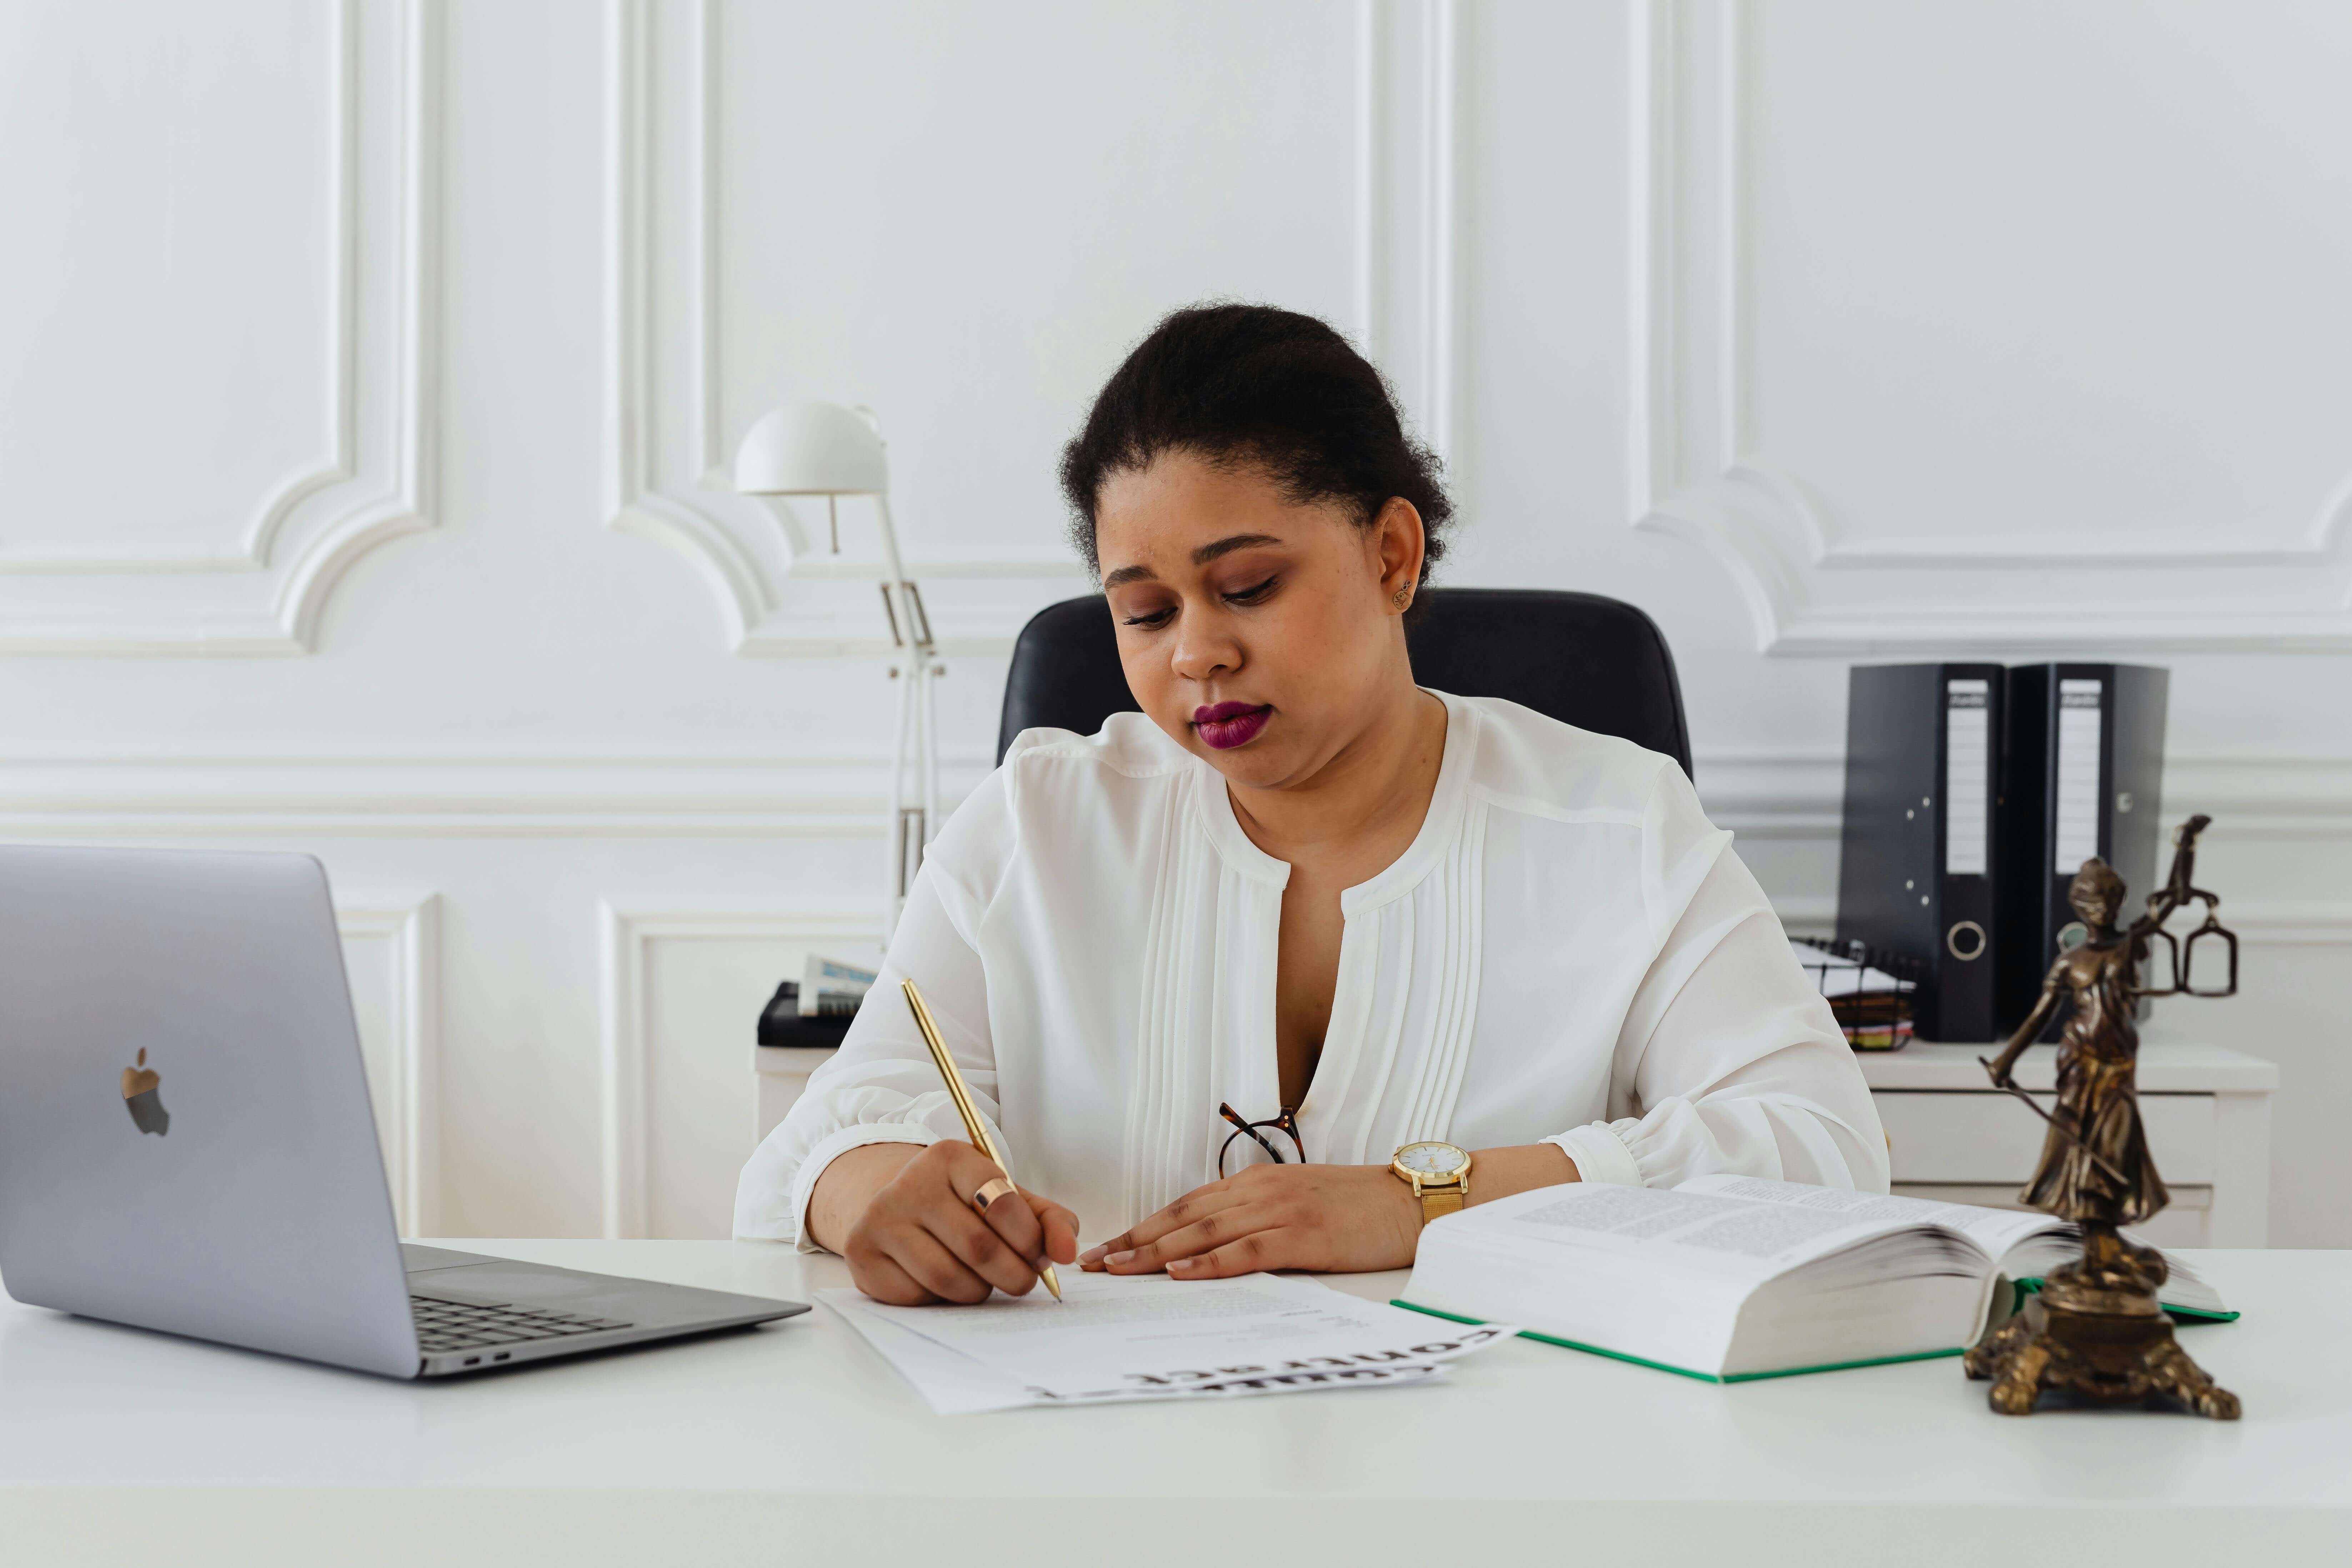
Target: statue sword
(2062, 1129)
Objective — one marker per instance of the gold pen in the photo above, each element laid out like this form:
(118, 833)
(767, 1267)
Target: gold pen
(975, 1128)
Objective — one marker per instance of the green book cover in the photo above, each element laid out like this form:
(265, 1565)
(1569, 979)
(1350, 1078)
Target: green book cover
(2024, 1288)
(1686, 1372)
(2183, 1315)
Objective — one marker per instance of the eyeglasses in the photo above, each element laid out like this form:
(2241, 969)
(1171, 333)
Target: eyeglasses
(1286, 1124)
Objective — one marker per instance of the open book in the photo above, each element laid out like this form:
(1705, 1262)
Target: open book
(1731, 1278)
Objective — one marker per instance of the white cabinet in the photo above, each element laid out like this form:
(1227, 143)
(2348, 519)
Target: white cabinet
(783, 1072)
(1954, 1136)
(2207, 1110)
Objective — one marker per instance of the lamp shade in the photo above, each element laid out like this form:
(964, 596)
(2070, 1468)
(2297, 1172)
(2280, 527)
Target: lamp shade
(812, 449)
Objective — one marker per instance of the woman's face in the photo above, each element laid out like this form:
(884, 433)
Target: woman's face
(1262, 634)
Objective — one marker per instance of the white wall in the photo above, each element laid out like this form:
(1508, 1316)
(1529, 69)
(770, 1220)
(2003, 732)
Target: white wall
(359, 359)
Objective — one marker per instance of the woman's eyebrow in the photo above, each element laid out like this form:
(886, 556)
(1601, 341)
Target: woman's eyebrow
(1201, 557)
(1208, 552)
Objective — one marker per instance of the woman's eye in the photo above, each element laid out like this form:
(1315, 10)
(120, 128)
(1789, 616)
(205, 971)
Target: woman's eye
(1251, 596)
(1156, 618)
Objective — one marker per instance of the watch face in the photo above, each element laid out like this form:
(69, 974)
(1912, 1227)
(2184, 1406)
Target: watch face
(1432, 1159)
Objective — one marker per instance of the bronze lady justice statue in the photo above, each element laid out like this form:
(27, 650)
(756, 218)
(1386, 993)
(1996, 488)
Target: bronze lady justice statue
(2096, 1329)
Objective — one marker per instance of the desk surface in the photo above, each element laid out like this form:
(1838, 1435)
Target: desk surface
(121, 1445)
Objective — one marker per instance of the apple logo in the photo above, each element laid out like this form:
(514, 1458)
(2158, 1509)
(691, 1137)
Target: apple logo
(141, 1099)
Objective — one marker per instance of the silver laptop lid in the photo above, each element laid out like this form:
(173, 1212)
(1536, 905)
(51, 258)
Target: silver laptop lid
(226, 1184)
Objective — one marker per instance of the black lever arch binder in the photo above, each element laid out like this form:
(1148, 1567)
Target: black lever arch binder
(2083, 776)
(1916, 875)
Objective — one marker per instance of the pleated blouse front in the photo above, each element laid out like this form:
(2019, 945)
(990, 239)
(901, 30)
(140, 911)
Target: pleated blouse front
(1568, 951)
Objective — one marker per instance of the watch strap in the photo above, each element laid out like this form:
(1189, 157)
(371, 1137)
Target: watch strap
(1436, 1202)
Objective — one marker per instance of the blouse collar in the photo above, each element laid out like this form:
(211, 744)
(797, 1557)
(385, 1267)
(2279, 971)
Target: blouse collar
(1438, 831)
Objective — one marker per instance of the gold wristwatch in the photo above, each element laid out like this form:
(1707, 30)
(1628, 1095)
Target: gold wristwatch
(1439, 1175)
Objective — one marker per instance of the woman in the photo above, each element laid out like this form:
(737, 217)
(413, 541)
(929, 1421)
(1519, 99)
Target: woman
(1300, 892)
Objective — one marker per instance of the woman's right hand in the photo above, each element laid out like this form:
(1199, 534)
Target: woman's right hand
(902, 1217)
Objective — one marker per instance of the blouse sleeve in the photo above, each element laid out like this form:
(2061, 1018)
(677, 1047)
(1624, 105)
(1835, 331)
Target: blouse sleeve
(881, 1086)
(1728, 1060)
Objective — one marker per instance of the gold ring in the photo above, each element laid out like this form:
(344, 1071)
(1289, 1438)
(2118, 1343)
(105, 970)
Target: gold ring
(990, 1194)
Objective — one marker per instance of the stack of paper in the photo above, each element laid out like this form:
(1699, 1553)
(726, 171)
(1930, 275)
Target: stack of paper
(1871, 1005)
(1151, 1337)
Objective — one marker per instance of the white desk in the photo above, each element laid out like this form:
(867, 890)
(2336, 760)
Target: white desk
(795, 1444)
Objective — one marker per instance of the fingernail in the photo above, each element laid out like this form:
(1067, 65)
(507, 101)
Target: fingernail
(1183, 1265)
(1119, 1258)
(1093, 1254)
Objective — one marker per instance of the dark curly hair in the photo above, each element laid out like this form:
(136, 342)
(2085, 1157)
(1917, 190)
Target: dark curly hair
(1255, 384)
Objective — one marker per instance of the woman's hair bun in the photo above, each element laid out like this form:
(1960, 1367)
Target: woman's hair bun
(1272, 389)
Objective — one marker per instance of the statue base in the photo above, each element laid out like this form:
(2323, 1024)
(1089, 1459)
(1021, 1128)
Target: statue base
(2095, 1331)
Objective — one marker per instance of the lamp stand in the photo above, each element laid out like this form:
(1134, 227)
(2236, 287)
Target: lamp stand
(916, 665)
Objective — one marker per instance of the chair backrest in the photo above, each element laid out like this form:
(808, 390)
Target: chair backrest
(1599, 664)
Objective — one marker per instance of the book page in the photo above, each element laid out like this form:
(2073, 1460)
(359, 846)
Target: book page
(1993, 1231)
(2024, 1243)
(1741, 1233)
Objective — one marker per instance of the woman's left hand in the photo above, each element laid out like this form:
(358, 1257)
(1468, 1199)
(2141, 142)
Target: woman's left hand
(1335, 1219)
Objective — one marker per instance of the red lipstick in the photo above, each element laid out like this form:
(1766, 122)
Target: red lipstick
(1225, 725)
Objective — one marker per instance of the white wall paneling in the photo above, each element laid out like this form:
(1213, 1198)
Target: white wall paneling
(2002, 328)
(227, 397)
(671, 453)
(681, 153)
(1844, 223)
(392, 952)
(681, 985)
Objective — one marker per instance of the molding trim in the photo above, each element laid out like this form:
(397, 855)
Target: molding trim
(412, 928)
(1694, 472)
(667, 478)
(1411, 89)
(2291, 924)
(1372, 119)
(161, 795)
(626, 929)
(134, 557)
(1759, 794)
(377, 481)
(1799, 796)
(2259, 922)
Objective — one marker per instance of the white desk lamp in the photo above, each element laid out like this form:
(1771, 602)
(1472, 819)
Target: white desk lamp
(825, 449)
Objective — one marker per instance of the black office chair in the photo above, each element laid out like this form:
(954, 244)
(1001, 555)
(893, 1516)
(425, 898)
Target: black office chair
(1598, 664)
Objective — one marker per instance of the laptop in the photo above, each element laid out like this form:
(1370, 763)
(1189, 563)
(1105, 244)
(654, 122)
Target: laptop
(186, 1142)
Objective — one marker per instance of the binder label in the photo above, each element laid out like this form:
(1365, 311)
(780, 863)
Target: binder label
(1968, 770)
(2077, 839)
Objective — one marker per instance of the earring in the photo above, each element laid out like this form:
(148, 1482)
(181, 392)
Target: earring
(1400, 598)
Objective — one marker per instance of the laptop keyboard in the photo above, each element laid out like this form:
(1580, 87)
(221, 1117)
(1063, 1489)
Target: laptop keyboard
(464, 1325)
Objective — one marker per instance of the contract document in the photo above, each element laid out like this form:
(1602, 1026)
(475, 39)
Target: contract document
(1122, 1337)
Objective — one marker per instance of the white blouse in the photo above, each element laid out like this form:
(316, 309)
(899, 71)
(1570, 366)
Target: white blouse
(1568, 952)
